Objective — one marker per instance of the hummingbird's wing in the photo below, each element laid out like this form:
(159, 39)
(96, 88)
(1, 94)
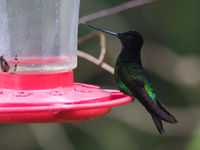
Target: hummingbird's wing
(133, 76)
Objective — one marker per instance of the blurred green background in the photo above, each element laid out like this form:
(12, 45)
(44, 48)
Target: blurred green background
(171, 55)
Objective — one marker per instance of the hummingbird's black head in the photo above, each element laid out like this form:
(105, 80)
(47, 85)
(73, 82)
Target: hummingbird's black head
(131, 39)
(131, 44)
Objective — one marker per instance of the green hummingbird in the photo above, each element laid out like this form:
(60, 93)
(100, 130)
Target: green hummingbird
(132, 79)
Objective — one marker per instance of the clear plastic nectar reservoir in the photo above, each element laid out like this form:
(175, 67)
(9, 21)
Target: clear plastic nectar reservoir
(39, 36)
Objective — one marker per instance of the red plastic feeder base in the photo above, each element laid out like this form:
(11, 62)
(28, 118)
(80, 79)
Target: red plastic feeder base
(42, 98)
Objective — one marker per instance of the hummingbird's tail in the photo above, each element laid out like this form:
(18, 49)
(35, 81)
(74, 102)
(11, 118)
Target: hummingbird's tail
(157, 111)
(158, 118)
(170, 117)
(158, 124)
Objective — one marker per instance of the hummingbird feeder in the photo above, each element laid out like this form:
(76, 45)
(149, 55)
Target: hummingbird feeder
(38, 48)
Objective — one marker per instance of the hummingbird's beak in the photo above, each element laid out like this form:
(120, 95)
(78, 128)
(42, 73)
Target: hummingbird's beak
(105, 31)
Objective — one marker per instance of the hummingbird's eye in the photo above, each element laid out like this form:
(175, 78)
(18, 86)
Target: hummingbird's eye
(130, 38)
(131, 32)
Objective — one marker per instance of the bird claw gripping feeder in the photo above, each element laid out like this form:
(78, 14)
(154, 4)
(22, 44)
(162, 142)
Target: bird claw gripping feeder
(38, 48)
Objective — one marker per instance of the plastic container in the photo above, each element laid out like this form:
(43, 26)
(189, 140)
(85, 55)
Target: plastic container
(40, 36)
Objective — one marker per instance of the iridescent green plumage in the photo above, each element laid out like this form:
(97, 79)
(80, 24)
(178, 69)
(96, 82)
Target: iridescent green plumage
(132, 79)
(136, 72)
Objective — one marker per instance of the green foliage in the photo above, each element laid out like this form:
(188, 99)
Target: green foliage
(194, 144)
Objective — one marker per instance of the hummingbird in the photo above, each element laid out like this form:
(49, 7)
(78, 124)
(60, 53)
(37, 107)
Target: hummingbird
(133, 80)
